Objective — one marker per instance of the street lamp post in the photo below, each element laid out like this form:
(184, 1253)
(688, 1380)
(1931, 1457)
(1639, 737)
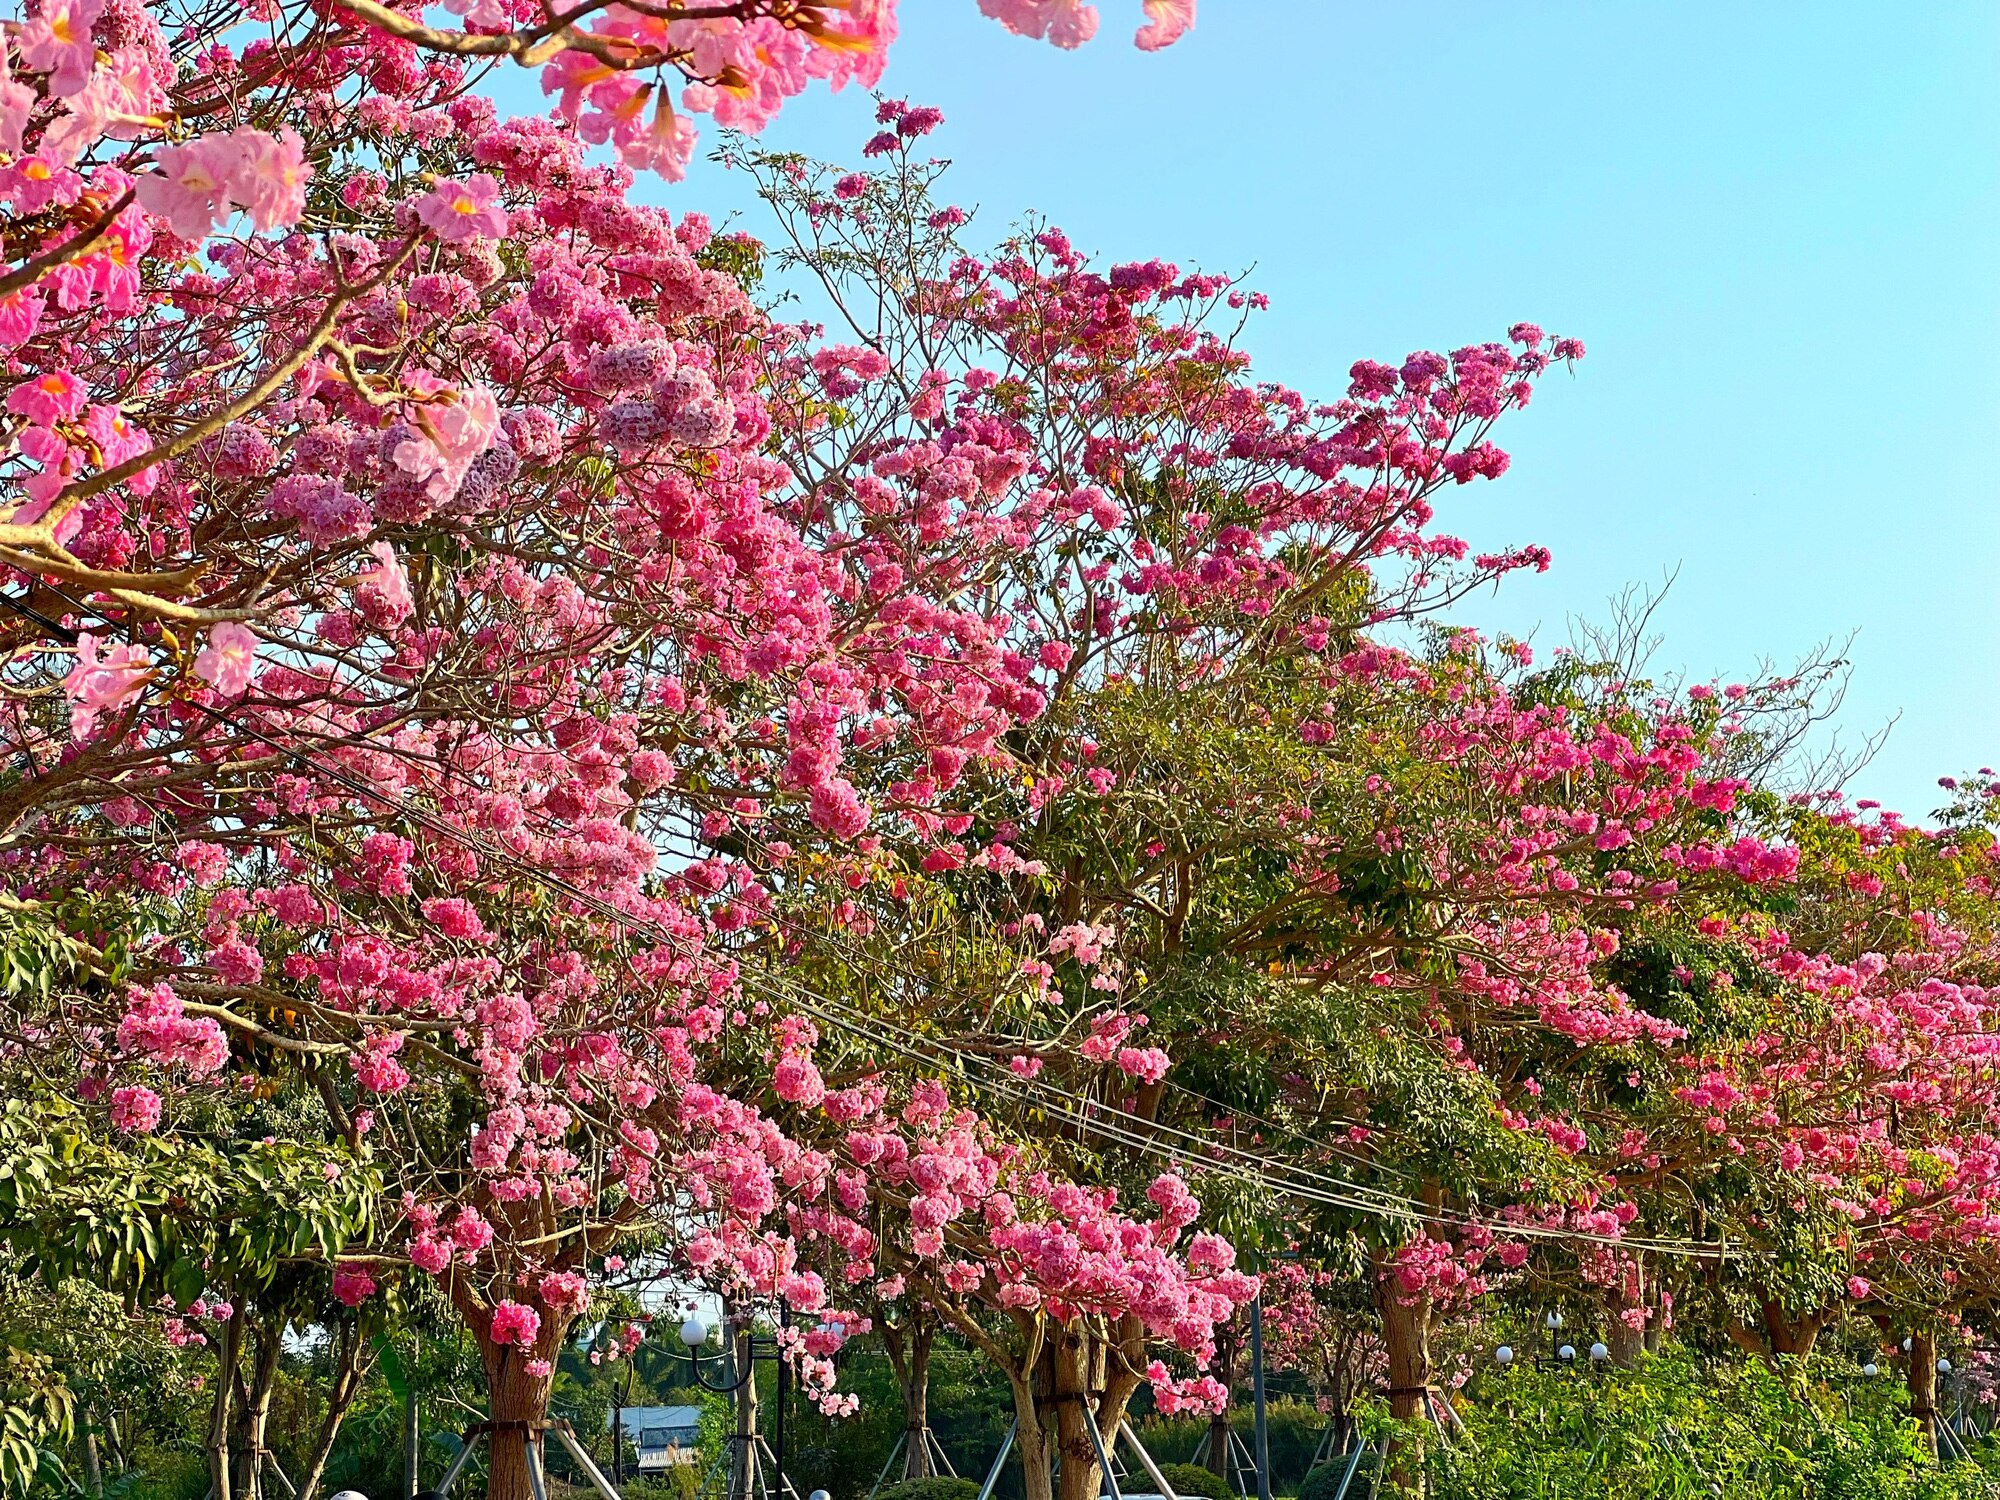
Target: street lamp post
(694, 1334)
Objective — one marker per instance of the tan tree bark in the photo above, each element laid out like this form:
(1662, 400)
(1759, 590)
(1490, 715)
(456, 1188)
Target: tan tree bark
(349, 1365)
(908, 1346)
(1922, 1382)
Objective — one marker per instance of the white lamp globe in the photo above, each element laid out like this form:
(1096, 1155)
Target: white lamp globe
(694, 1333)
(819, 1495)
(1871, 1369)
(1600, 1352)
(1566, 1353)
(1504, 1356)
(1944, 1367)
(1906, 1346)
(1553, 1321)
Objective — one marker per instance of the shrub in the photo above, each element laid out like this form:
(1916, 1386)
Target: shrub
(1190, 1480)
(937, 1487)
(1324, 1482)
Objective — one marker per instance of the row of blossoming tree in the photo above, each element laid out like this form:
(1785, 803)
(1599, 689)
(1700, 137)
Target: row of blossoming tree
(528, 772)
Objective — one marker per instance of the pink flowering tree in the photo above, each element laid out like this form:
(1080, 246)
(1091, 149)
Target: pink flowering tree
(401, 600)
(1072, 1298)
(1833, 1107)
(1246, 852)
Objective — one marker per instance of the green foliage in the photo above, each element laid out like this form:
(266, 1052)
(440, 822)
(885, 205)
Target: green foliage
(1192, 1479)
(1294, 1429)
(1323, 1483)
(167, 1216)
(937, 1487)
(36, 1409)
(1677, 1427)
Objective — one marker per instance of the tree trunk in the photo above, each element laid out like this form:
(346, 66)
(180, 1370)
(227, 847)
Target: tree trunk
(1922, 1380)
(93, 1468)
(1031, 1438)
(908, 1346)
(743, 1464)
(228, 1349)
(413, 1433)
(1406, 1339)
(618, 1440)
(256, 1414)
(1779, 1334)
(917, 1406)
(339, 1396)
(1218, 1422)
(1625, 1334)
(517, 1405)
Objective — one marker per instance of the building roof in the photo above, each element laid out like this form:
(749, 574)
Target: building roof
(639, 1418)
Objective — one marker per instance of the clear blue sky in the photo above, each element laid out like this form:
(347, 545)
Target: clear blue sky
(1776, 225)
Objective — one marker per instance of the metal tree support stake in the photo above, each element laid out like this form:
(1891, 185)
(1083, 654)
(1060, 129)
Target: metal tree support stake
(1006, 1447)
(1257, 1397)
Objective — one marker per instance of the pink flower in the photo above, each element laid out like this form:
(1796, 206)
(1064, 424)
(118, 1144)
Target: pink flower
(1858, 1288)
(100, 683)
(135, 1111)
(464, 210)
(268, 176)
(57, 396)
(515, 1323)
(540, 1369)
(453, 434)
(383, 591)
(797, 1081)
(191, 189)
(225, 662)
(17, 102)
(352, 1285)
(1167, 21)
(57, 41)
(564, 1291)
(1067, 23)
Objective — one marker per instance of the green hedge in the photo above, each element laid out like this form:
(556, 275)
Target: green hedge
(1189, 1481)
(937, 1487)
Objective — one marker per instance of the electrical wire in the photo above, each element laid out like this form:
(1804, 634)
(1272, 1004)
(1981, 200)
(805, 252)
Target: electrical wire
(1266, 1173)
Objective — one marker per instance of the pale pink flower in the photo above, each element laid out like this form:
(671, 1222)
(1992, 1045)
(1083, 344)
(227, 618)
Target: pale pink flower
(225, 662)
(100, 683)
(465, 210)
(191, 189)
(454, 434)
(484, 15)
(56, 40)
(1067, 23)
(17, 102)
(268, 176)
(383, 591)
(1167, 21)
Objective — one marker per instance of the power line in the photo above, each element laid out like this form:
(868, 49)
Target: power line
(1270, 1174)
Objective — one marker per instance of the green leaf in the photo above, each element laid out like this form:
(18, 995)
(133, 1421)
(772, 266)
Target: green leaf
(185, 1281)
(391, 1363)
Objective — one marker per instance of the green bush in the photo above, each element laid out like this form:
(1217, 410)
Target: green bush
(1678, 1427)
(1322, 1483)
(937, 1487)
(1189, 1480)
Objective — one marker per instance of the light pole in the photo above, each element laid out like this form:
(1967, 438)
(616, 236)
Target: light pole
(694, 1334)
